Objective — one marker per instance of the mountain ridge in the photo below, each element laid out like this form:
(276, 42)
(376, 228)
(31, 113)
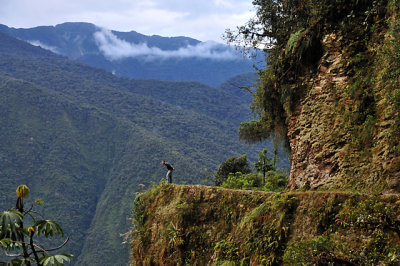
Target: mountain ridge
(134, 55)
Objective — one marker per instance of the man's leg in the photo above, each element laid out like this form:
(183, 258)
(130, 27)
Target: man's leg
(170, 177)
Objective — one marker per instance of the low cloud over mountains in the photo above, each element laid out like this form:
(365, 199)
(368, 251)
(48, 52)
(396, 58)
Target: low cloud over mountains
(114, 48)
(138, 56)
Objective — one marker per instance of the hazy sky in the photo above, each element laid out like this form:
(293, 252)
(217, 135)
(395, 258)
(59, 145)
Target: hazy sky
(200, 19)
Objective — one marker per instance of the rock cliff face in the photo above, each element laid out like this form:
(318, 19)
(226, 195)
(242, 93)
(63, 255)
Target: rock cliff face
(341, 133)
(315, 149)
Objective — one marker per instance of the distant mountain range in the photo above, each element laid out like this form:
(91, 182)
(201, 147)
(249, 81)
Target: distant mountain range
(134, 55)
(85, 141)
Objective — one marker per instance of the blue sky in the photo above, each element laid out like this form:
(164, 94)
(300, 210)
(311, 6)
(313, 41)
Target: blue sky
(204, 20)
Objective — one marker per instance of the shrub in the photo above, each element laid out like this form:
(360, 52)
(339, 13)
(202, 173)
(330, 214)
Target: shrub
(275, 181)
(232, 165)
(242, 181)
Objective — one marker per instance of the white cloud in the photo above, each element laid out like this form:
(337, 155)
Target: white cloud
(44, 46)
(114, 48)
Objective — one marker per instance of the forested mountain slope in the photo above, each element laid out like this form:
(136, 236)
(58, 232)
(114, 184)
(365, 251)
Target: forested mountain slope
(85, 140)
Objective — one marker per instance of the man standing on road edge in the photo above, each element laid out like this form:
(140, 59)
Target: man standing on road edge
(170, 170)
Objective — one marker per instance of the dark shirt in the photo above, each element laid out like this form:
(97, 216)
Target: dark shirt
(169, 167)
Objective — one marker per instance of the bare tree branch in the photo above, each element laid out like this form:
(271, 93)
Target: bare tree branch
(63, 244)
(12, 255)
(247, 88)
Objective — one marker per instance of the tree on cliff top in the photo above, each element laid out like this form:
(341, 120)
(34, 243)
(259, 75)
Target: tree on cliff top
(264, 164)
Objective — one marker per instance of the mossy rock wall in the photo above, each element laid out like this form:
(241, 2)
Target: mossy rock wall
(344, 130)
(197, 225)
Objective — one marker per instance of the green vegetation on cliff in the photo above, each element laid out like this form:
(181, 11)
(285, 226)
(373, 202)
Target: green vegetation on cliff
(194, 225)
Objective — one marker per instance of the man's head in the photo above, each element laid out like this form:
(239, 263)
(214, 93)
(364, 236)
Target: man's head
(163, 162)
